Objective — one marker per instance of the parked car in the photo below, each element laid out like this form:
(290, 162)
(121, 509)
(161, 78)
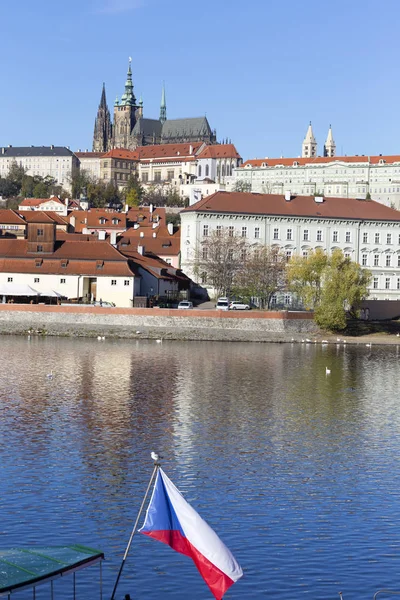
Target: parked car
(222, 304)
(185, 304)
(238, 305)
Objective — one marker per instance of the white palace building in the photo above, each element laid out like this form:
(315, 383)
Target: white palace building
(375, 177)
(366, 231)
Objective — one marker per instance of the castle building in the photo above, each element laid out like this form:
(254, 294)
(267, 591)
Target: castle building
(131, 129)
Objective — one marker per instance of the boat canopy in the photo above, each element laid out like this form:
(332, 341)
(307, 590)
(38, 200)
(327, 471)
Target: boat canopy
(28, 567)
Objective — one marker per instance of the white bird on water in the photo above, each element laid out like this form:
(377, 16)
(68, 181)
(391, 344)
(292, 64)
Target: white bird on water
(327, 371)
(368, 345)
(99, 338)
(159, 341)
(50, 375)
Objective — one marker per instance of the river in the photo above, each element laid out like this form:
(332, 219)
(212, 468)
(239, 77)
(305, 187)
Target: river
(296, 470)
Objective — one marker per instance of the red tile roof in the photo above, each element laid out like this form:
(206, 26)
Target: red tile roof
(175, 151)
(39, 216)
(163, 244)
(143, 213)
(122, 153)
(288, 162)
(299, 206)
(90, 219)
(38, 201)
(10, 217)
(219, 151)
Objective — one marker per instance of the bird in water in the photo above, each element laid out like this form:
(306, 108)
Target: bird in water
(327, 371)
(50, 375)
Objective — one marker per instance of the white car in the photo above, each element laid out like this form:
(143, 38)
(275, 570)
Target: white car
(236, 305)
(185, 304)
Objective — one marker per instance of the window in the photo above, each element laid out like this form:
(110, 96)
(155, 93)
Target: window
(113, 282)
(398, 283)
(364, 261)
(102, 221)
(365, 238)
(231, 230)
(348, 236)
(375, 283)
(387, 283)
(205, 230)
(39, 248)
(347, 254)
(287, 299)
(187, 230)
(145, 177)
(205, 253)
(377, 238)
(257, 233)
(335, 236)
(244, 231)
(305, 254)
(9, 279)
(199, 170)
(289, 233)
(288, 255)
(218, 230)
(115, 221)
(126, 282)
(243, 254)
(398, 260)
(276, 233)
(40, 232)
(319, 235)
(62, 280)
(389, 238)
(207, 170)
(157, 175)
(388, 260)
(376, 260)
(306, 235)
(36, 280)
(170, 175)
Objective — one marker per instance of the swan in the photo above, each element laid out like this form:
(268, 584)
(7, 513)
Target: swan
(327, 371)
(159, 341)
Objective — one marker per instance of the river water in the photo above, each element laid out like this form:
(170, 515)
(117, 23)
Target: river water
(296, 470)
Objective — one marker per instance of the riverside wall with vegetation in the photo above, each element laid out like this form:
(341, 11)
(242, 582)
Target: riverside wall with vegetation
(136, 323)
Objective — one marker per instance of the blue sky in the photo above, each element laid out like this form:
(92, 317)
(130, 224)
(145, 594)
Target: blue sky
(259, 69)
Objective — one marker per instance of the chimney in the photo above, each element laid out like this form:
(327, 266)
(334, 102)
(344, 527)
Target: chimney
(154, 234)
(170, 227)
(141, 249)
(66, 201)
(3, 150)
(151, 208)
(318, 199)
(52, 147)
(141, 234)
(102, 236)
(136, 226)
(126, 208)
(288, 196)
(190, 149)
(113, 238)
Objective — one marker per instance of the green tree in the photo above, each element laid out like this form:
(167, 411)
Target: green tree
(174, 218)
(28, 184)
(133, 184)
(305, 276)
(41, 190)
(263, 273)
(132, 197)
(79, 180)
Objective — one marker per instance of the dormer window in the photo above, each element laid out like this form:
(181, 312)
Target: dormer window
(99, 264)
(295, 164)
(115, 221)
(38, 262)
(102, 220)
(64, 264)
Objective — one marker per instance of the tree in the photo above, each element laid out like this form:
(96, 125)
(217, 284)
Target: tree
(79, 180)
(263, 273)
(219, 259)
(41, 190)
(154, 195)
(305, 276)
(331, 285)
(174, 218)
(132, 198)
(134, 191)
(241, 186)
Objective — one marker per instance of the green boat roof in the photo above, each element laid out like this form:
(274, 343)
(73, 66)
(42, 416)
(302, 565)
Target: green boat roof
(27, 567)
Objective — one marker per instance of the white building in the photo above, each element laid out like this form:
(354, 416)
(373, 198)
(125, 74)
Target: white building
(53, 161)
(53, 204)
(90, 162)
(365, 231)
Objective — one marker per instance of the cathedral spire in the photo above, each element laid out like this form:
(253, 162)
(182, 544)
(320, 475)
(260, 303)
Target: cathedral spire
(309, 149)
(128, 98)
(102, 134)
(163, 106)
(330, 146)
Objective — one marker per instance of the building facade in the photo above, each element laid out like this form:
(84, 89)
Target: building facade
(131, 129)
(57, 162)
(375, 177)
(365, 231)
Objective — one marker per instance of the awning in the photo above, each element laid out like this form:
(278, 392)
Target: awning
(51, 294)
(28, 567)
(10, 289)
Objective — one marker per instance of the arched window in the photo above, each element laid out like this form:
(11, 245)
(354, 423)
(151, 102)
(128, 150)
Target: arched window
(223, 171)
(199, 170)
(218, 169)
(207, 170)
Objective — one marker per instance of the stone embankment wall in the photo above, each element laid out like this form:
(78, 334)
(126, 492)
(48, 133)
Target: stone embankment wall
(154, 323)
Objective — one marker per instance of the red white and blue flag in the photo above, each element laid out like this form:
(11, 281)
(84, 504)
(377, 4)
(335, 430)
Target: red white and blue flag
(171, 520)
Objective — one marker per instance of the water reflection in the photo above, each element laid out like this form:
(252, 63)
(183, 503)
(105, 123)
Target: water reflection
(295, 469)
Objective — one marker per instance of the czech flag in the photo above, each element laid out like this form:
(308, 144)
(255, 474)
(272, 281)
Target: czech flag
(171, 520)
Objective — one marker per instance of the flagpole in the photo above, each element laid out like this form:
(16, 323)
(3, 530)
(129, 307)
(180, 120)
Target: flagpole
(156, 467)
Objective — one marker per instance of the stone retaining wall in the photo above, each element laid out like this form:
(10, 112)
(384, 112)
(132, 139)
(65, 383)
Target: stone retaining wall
(153, 323)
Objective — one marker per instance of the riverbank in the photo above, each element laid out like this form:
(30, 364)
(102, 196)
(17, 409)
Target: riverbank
(196, 325)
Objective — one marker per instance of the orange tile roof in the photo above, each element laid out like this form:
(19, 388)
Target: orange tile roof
(122, 153)
(161, 245)
(90, 219)
(10, 217)
(38, 201)
(40, 216)
(220, 151)
(175, 151)
(143, 212)
(299, 206)
(288, 162)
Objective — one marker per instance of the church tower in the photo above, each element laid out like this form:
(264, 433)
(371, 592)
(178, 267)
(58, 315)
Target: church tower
(330, 146)
(126, 113)
(102, 136)
(309, 149)
(163, 106)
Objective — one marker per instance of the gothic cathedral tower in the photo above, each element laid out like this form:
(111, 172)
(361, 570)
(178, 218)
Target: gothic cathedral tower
(126, 113)
(330, 146)
(102, 136)
(309, 148)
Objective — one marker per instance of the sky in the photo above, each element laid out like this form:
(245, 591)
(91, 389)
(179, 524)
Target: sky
(259, 69)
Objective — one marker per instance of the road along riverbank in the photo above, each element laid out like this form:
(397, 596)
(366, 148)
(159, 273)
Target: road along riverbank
(155, 323)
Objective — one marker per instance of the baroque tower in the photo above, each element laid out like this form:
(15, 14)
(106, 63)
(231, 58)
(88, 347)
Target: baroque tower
(163, 106)
(330, 146)
(102, 136)
(126, 112)
(309, 148)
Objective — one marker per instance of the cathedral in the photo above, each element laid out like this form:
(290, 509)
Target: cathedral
(130, 129)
